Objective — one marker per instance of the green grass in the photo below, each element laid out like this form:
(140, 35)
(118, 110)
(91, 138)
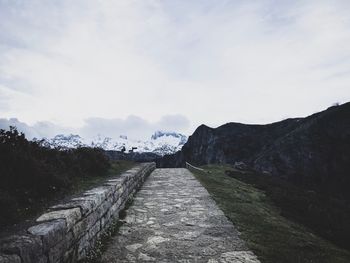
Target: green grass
(117, 167)
(272, 237)
(78, 186)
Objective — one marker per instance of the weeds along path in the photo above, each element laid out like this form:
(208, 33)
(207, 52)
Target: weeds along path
(174, 219)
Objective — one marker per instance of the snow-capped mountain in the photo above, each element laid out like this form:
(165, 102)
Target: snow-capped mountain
(62, 141)
(160, 142)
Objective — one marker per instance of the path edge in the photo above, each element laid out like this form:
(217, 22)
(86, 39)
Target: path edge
(68, 232)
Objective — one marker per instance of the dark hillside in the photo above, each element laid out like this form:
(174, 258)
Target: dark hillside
(229, 143)
(313, 152)
(316, 153)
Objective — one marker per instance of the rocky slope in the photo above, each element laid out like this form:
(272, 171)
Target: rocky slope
(312, 151)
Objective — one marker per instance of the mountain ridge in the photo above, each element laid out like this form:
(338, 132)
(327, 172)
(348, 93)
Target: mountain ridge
(160, 143)
(313, 151)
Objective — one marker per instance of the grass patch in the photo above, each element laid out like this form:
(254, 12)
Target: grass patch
(117, 167)
(272, 237)
(324, 214)
(78, 185)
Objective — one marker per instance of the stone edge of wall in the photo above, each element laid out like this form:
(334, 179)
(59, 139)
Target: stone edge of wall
(68, 231)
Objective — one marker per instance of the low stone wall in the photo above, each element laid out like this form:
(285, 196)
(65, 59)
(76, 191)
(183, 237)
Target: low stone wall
(195, 168)
(67, 232)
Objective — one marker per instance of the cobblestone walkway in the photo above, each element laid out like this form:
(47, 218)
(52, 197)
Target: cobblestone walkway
(173, 219)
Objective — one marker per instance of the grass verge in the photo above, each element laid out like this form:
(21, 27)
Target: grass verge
(272, 237)
(78, 186)
(117, 167)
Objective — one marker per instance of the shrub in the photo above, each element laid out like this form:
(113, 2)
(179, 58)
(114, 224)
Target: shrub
(31, 173)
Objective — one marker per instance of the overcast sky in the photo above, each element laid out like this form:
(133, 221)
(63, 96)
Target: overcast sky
(129, 67)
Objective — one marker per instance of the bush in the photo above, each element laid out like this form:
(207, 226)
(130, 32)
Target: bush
(31, 173)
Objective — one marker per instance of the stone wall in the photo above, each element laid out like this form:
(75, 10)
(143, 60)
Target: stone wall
(67, 232)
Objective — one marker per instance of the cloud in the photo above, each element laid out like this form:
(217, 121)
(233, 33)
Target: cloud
(212, 61)
(173, 123)
(133, 126)
(48, 129)
(38, 130)
(21, 126)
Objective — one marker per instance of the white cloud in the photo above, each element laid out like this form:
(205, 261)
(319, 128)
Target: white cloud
(38, 130)
(211, 61)
(133, 126)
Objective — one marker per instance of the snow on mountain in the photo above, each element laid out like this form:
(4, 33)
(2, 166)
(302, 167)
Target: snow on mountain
(160, 142)
(166, 135)
(62, 141)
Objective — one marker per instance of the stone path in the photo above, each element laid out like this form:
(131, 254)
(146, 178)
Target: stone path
(173, 219)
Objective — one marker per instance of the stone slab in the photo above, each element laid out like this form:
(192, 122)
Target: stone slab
(70, 215)
(174, 219)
